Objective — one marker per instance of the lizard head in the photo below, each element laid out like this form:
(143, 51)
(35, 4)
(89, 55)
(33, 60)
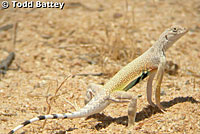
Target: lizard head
(171, 35)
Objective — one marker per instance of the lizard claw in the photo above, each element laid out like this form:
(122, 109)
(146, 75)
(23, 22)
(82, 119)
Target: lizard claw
(161, 108)
(130, 129)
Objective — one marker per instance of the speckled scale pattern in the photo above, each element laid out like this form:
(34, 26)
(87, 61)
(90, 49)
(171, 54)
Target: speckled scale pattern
(130, 72)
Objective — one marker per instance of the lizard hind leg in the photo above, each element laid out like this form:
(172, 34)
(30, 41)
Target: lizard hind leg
(124, 97)
(91, 91)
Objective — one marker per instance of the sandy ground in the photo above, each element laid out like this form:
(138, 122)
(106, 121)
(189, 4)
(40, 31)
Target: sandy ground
(97, 37)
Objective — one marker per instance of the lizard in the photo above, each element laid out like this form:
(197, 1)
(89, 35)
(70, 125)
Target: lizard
(6, 62)
(151, 63)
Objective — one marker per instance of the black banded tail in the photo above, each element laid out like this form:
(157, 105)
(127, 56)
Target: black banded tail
(42, 117)
(83, 112)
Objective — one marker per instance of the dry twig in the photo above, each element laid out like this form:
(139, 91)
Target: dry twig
(53, 98)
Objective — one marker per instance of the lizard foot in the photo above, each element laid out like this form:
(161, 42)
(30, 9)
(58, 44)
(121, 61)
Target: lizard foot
(161, 108)
(130, 129)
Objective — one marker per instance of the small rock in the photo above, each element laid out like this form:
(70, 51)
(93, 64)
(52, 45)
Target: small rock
(117, 15)
(158, 121)
(178, 89)
(171, 68)
(4, 119)
(139, 95)
(162, 93)
(45, 36)
(182, 117)
(187, 82)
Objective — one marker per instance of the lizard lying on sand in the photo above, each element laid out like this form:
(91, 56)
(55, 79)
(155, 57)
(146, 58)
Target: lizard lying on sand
(148, 64)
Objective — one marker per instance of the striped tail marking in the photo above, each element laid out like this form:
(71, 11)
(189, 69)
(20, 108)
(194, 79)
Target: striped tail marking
(43, 117)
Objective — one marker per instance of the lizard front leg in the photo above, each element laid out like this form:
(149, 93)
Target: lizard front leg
(92, 90)
(149, 87)
(159, 78)
(122, 97)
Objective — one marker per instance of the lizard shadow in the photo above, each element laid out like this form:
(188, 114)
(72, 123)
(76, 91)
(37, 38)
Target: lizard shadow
(146, 112)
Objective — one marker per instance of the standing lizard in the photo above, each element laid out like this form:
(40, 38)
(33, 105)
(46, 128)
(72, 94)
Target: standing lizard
(98, 97)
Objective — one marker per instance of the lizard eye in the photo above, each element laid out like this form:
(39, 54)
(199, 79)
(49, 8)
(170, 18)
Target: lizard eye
(174, 29)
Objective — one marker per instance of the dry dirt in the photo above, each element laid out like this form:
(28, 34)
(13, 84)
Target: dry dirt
(99, 36)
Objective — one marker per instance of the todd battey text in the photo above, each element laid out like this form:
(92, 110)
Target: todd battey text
(37, 4)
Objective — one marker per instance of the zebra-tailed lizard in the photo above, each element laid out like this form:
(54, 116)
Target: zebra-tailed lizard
(151, 63)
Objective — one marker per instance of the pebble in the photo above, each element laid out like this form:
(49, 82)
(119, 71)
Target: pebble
(162, 93)
(187, 82)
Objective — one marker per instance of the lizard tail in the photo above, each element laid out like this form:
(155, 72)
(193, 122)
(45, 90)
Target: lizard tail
(87, 110)
(77, 114)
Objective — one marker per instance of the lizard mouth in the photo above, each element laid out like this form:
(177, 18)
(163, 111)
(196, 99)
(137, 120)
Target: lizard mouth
(185, 31)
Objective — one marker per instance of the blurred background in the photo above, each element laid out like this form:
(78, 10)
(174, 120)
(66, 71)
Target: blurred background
(91, 40)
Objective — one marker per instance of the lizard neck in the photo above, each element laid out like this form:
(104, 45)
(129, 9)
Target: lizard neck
(158, 47)
(162, 44)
